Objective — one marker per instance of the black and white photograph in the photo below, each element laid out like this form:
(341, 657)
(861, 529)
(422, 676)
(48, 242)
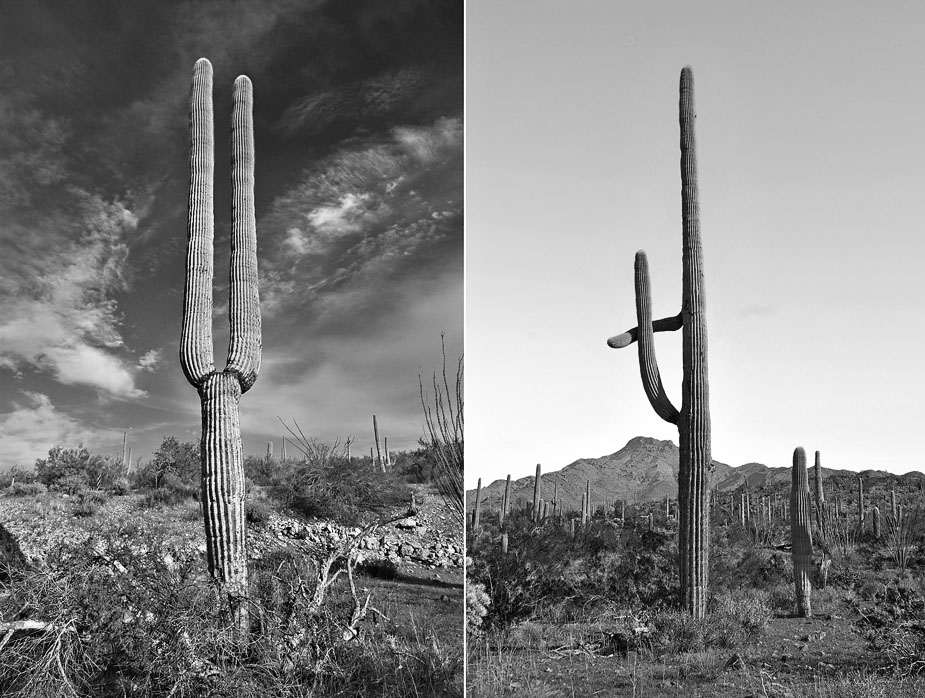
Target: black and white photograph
(695, 377)
(231, 348)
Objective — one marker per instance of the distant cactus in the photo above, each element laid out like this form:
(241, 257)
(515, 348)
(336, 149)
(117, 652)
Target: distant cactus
(504, 543)
(860, 503)
(537, 492)
(875, 515)
(820, 494)
(477, 511)
(801, 533)
(220, 392)
(893, 508)
(506, 502)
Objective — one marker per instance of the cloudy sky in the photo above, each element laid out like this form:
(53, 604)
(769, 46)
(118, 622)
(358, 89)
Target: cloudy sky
(812, 177)
(359, 140)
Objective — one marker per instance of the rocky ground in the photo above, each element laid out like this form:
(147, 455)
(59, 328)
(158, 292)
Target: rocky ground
(422, 545)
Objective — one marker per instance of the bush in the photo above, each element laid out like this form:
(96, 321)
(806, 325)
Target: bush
(69, 466)
(16, 475)
(348, 492)
(120, 487)
(173, 459)
(26, 489)
(87, 503)
(547, 569)
(257, 512)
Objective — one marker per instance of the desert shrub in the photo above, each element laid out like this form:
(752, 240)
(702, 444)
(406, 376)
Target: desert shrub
(257, 512)
(174, 460)
(547, 569)
(893, 624)
(16, 474)
(73, 464)
(734, 620)
(349, 492)
(72, 484)
(26, 489)
(133, 622)
(88, 502)
(120, 487)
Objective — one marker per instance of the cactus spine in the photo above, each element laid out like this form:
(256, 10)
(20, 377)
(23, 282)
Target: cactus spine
(220, 392)
(693, 420)
(801, 533)
(537, 492)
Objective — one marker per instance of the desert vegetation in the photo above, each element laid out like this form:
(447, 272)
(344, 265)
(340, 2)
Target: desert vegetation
(562, 606)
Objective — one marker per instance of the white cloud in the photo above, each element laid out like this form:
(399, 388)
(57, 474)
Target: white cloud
(33, 427)
(150, 360)
(62, 316)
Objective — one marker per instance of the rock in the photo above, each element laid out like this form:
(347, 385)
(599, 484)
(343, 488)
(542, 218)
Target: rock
(410, 522)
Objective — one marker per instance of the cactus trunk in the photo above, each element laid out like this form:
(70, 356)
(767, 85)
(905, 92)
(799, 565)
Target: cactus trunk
(801, 533)
(222, 457)
(537, 492)
(693, 420)
(875, 514)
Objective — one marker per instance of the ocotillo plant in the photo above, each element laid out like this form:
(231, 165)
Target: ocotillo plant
(693, 420)
(537, 492)
(801, 533)
(220, 392)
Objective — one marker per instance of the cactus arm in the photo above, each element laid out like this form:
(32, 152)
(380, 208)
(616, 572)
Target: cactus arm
(648, 365)
(244, 304)
(665, 324)
(196, 333)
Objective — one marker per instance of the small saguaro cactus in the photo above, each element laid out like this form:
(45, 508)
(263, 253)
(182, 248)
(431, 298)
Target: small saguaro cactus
(477, 511)
(820, 494)
(537, 492)
(693, 420)
(801, 533)
(875, 515)
(220, 391)
(860, 503)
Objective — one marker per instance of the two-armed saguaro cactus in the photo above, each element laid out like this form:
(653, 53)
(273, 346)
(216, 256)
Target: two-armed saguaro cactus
(693, 420)
(220, 391)
(801, 532)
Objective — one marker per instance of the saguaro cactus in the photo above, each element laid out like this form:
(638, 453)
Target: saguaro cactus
(476, 512)
(220, 392)
(875, 512)
(801, 533)
(693, 420)
(537, 493)
(820, 494)
(860, 503)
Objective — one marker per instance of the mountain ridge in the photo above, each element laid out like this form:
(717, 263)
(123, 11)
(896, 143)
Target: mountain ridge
(644, 470)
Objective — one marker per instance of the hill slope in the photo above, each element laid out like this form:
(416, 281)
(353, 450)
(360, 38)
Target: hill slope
(646, 470)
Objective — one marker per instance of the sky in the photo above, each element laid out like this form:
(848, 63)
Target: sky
(812, 172)
(358, 118)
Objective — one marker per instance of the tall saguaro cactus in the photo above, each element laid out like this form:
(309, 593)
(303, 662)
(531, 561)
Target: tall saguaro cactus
(693, 420)
(537, 493)
(220, 391)
(801, 532)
